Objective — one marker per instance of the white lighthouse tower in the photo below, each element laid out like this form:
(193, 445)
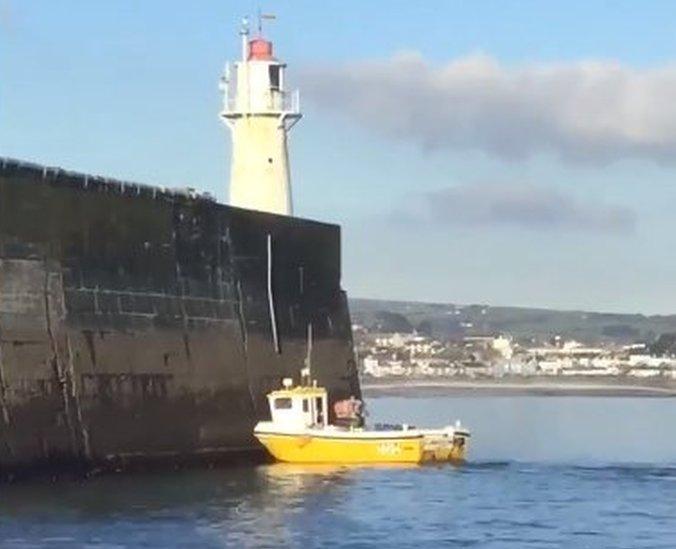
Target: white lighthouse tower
(259, 112)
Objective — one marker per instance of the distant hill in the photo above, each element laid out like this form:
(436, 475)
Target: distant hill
(447, 320)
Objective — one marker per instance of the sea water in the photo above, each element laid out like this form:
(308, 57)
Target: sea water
(542, 472)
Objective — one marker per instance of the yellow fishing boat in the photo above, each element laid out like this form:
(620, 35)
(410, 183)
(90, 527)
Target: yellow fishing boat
(299, 432)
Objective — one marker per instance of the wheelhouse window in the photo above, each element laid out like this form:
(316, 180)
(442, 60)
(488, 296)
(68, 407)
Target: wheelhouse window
(319, 407)
(283, 404)
(306, 405)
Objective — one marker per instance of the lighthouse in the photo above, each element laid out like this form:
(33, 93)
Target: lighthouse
(259, 111)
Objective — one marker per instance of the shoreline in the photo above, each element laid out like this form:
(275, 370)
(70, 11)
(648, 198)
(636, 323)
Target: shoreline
(422, 387)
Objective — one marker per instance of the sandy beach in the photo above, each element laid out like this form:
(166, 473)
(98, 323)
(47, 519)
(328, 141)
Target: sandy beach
(420, 387)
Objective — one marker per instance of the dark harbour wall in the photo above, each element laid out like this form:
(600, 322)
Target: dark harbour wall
(139, 325)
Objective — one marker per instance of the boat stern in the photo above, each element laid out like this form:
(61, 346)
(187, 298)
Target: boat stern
(445, 445)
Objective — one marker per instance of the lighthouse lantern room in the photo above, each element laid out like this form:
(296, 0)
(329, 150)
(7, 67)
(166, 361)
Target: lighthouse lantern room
(259, 112)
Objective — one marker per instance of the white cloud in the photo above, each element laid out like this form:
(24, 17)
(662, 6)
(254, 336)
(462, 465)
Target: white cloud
(585, 112)
(519, 205)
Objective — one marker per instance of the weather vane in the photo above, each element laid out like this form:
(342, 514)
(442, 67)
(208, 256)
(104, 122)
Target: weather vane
(264, 16)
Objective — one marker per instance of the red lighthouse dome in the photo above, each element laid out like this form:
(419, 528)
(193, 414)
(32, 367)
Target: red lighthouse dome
(260, 50)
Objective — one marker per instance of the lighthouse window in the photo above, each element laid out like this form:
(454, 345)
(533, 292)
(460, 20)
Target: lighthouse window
(274, 76)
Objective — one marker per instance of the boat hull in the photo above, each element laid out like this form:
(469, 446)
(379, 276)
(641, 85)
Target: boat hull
(327, 449)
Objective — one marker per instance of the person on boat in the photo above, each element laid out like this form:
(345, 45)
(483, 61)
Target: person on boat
(349, 413)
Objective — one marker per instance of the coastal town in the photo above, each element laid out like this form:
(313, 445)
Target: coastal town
(414, 355)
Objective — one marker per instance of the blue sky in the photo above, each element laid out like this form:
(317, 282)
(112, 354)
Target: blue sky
(510, 153)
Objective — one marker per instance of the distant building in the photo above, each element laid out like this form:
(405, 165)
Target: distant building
(503, 345)
(400, 354)
(645, 372)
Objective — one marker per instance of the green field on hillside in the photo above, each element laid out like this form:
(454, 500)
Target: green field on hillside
(448, 320)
